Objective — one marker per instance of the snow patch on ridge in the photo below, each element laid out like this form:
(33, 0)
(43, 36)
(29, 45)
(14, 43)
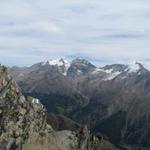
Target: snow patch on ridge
(110, 75)
(60, 63)
(133, 67)
(57, 62)
(35, 100)
(97, 70)
(108, 71)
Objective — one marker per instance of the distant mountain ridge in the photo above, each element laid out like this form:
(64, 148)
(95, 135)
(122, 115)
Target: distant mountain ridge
(78, 66)
(112, 100)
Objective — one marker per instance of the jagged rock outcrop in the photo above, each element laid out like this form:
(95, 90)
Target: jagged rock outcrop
(24, 127)
(80, 67)
(19, 119)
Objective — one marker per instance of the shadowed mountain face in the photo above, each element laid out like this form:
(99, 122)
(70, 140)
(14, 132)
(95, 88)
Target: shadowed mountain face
(113, 100)
(23, 124)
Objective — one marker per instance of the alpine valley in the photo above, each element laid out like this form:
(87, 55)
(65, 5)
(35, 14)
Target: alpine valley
(112, 101)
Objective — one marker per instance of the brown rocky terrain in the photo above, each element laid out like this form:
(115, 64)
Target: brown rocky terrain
(112, 100)
(24, 124)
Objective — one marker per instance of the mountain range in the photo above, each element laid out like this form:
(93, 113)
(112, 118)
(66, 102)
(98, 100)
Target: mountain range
(24, 124)
(113, 101)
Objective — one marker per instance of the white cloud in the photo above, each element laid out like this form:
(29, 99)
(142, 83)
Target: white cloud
(45, 26)
(98, 30)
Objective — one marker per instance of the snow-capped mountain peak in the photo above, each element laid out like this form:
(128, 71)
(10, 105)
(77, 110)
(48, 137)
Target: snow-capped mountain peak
(134, 67)
(110, 72)
(58, 62)
(80, 67)
(62, 64)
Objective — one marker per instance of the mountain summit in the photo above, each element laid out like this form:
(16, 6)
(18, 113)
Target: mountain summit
(80, 67)
(61, 64)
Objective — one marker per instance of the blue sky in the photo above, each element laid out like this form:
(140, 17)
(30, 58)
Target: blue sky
(103, 31)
